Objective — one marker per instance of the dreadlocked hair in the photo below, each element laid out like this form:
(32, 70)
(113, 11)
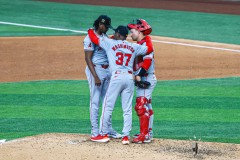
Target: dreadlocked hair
(96, 24)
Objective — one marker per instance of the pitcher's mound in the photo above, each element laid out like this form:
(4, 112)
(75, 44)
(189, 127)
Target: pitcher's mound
(76, 146)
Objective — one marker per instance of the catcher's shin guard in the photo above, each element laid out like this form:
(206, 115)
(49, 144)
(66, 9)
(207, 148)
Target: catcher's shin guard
(143, 115)
(144, 122)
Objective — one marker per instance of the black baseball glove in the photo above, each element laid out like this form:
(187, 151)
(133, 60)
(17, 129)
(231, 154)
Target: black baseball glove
(142, 84)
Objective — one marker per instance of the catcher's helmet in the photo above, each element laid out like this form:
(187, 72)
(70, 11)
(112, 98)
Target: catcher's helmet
(142, 26)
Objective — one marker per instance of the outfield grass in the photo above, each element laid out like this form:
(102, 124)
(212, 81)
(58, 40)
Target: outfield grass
(10, 30)
(188, 25)
(207, 108)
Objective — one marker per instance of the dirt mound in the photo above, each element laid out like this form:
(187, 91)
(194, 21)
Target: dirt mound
(76, 146)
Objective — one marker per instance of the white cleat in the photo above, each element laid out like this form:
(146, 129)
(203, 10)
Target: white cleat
(114, 134)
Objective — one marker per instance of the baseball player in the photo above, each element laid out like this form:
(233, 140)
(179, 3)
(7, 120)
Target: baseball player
(98, 75)
(144, 70)
(121, 54)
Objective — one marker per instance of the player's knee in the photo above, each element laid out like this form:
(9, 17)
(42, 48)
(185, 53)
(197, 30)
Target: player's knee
(140, 105)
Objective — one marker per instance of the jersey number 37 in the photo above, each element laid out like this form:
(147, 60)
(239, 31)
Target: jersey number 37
(123, 58)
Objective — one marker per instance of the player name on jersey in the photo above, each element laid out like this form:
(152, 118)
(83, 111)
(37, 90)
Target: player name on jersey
(123, 46)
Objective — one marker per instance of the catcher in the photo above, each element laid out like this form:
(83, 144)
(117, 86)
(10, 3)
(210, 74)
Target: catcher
(145, 80)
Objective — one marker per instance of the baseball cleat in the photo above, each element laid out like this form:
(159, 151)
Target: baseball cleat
(136, 135)
(151, 136)
(125, 140)
(114, 134)
(147, 139)
(141, 139)
(100, 138)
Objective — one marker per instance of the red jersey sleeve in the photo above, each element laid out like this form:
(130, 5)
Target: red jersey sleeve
(149, 44)
(147, 63)
(93, 37)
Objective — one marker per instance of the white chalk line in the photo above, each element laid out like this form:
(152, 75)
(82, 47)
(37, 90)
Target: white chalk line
(77, 31)
(198, 46)
(42, 27)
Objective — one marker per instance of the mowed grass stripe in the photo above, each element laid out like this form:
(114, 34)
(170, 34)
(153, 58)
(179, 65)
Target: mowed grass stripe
(197, 114)
(161, 89)
(208, 82)
(83, 100)
(207, 131)
(216, 131)
(225, 87)
(161, 114)
(199, 91)
(46, 87)
(44, 125)
(43, 100)
(10, 30)
(196, 102)
(45, 112)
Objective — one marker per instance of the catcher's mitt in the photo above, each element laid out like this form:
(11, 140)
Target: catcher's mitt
(142, 84)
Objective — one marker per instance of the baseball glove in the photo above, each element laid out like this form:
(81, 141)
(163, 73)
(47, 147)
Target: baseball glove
(142, 84)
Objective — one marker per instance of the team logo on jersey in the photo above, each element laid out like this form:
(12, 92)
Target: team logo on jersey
(90, 45)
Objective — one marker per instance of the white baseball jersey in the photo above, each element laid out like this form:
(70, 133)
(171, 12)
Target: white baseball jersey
(99, 55)
(120, 55)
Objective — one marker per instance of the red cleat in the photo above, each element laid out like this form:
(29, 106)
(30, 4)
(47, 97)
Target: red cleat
(100, 138)
(125, 140)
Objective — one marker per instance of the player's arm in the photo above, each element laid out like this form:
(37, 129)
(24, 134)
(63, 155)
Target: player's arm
(144, 50)
(143, 70)
(93, 37)
(147, 60)
(96, 40)
(149, 44)
(88, 59)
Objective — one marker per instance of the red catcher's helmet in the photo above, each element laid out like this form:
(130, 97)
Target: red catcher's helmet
(142, 26)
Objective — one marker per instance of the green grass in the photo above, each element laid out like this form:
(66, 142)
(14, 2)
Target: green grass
(10, 30)
(188, 25)
(207, 108)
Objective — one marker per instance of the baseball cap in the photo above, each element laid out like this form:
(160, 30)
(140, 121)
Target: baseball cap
(123, 30)
(104, 19)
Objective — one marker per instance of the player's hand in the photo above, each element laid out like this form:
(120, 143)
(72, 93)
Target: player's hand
(97, 81)
(137, 78)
